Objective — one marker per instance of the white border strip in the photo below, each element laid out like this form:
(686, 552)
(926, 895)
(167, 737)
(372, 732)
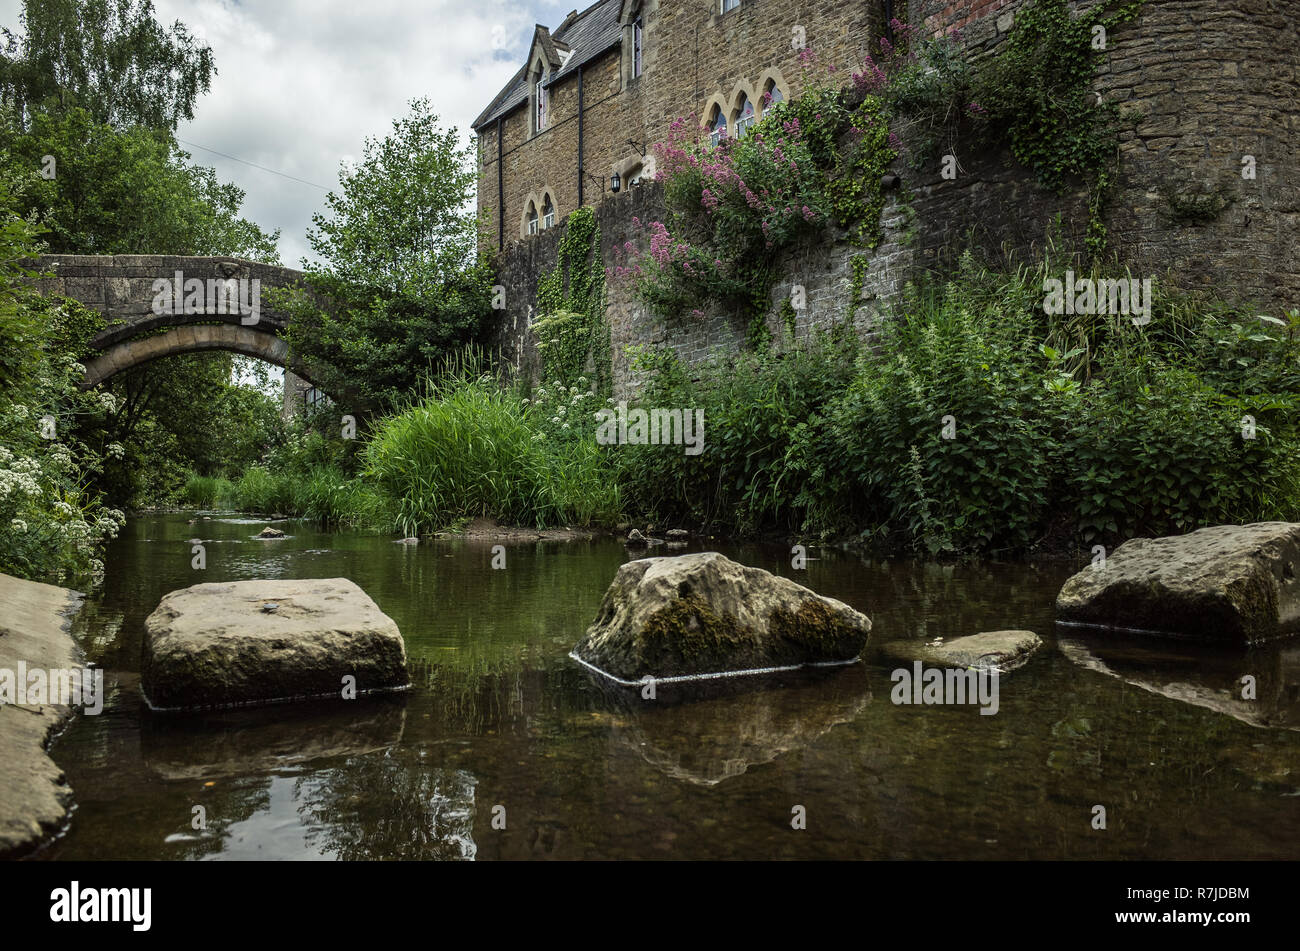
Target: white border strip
(720, 675)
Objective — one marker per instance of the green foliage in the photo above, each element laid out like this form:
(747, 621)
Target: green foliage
(756, 407)
(471, 448)
(853, 192)
(399, 291)
(309, 474)
(571, 331)
(52, 525)
(1088, 426)
(122, 191)
(110, 57)
(183, 415)
(1039, 84)
(374, 351)
(206, 492)
(400, 225)
(953, 356)
(1195, 207)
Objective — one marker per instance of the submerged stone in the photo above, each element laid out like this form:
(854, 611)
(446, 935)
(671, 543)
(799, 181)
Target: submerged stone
(270, 533)
(216, 645)
(1232, 584)
(703, 613)
(992, 650)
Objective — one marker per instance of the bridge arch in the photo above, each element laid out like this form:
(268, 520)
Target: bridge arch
(149, 311)
(192, 338)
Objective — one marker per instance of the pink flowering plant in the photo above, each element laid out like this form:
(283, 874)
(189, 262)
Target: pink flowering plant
(924, 82)
(810, 162)
(734, 206)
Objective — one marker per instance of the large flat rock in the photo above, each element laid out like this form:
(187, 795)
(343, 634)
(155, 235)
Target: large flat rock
(34, 794)
(1230, 584)
(700, 614)
(217, 645)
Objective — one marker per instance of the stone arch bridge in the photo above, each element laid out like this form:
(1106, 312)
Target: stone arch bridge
(198, 303)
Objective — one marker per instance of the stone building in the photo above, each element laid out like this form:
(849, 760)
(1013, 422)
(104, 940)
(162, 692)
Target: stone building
(1214, 86)
(575, 124)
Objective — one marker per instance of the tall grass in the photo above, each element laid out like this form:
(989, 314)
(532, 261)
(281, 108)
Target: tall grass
(471, 448)
(206, 492)
(325, 494)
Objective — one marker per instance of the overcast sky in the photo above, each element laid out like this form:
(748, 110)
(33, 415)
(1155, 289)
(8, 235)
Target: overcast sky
(301, 83)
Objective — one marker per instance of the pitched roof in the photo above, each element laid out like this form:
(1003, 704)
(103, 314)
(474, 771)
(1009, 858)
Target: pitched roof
(583, 35)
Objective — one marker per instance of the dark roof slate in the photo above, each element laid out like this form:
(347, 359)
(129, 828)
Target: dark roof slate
(585, 36)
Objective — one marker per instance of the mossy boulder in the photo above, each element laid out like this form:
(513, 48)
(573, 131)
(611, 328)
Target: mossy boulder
(705, 614)
(1229, 584)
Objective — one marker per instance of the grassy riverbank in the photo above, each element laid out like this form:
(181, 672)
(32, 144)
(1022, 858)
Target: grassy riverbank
(976, 423)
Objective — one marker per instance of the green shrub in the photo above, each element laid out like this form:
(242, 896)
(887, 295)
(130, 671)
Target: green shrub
(471, 448)
(756, 407)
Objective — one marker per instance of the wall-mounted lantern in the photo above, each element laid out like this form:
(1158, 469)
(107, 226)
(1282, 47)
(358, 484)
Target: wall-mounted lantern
(615, 182)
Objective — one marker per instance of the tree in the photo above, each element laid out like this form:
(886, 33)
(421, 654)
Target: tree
(123, 191)
(400, 272)
(404, 222)
(109, 57)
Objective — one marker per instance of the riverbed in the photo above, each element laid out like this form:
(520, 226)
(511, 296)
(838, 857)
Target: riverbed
(505, 748)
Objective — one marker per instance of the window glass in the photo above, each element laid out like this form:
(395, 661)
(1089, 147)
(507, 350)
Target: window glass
(744, 116)
(718, 125)
(636, 47)
(548, 213)
(532, 218)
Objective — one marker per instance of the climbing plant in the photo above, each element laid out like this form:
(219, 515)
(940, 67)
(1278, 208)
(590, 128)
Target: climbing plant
(1039, 88)
(571, 330)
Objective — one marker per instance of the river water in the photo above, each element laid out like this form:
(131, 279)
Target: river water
(502, 728)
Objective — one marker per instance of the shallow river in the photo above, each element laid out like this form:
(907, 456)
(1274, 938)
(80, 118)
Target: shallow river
(500, 716)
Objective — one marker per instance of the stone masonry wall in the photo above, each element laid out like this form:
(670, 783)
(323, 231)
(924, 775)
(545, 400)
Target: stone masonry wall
(1213, 85)
(694, 58)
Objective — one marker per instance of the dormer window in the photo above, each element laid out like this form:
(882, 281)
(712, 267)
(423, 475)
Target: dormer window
(718, 126)
(744, 116)
(548, 213)
(541, 104)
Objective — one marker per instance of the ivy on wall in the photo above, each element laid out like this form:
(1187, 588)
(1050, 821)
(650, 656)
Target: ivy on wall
(1039, 87)
(571, 332)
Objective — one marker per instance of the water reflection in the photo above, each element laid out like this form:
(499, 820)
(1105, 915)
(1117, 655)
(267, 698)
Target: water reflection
(385, 807)
(707, 733)
(240, 742)
(1204, 676)
(499, 715)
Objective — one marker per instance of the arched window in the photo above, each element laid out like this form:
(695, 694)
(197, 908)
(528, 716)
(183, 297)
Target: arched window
(729, 5)
(772, 96)
(744, 116)
(548, 212)
(532, 218)
(718, 126)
